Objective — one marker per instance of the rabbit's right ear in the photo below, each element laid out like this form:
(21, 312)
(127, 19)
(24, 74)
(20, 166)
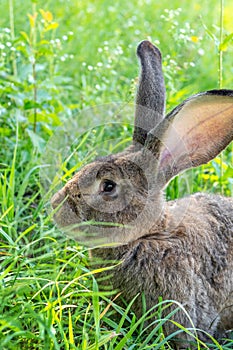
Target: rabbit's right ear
(192, 134)
(150, 99)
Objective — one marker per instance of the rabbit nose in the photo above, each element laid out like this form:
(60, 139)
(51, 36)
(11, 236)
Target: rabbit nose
(57, 198)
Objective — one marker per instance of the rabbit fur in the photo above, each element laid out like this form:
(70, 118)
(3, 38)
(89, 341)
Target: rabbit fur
(181, 250)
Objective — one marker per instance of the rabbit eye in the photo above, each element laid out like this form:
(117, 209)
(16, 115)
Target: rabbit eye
(107, 186)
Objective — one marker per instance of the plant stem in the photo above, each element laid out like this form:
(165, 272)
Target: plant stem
(12, 28)
(220, 75)
(34, 92)
(34, 67)
(220, 65)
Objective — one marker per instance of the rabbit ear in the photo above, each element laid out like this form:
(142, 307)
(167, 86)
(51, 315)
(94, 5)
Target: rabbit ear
(193, 133)
(150, 99)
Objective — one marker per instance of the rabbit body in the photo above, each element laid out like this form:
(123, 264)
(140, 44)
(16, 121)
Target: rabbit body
(180, 250)
(189, 260)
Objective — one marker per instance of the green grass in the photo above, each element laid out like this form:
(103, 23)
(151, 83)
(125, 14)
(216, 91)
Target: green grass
(49, 297)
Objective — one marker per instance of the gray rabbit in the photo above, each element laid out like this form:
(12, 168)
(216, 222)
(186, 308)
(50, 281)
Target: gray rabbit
(181, 250)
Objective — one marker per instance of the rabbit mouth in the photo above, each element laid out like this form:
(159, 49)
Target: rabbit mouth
(93, 233)
(105, 225)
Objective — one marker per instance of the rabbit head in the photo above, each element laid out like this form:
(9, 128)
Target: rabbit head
(119, 198)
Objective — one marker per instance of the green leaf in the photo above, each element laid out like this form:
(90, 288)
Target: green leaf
(228, 174)
(25, 36)
(5, 131)
(36, 140)
(210, 34)
(103, 340)
(226, 42)
(51, 26)
(30, 104)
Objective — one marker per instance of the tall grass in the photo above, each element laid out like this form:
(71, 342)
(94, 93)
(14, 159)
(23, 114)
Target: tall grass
(56, 59)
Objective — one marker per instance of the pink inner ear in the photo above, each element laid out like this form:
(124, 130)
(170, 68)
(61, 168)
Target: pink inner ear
(200, 130)
(166, 156)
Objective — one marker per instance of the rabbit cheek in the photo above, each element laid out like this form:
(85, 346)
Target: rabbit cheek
(66, 205)
(66, 216)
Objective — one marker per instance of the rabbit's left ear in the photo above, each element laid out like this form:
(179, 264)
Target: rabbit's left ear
(193, 133)
(150, 98)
